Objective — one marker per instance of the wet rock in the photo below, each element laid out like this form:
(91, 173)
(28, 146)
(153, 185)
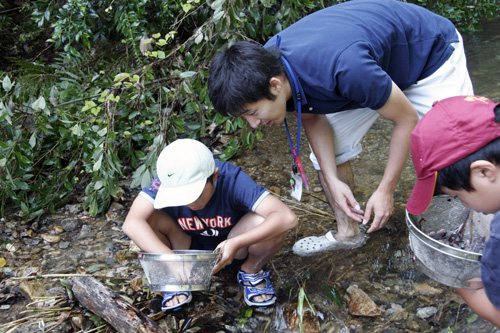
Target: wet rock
(85, 232)
(116, 212)
(64, 245)
(57, 229)
(334, 327)
(136, 283)
(360, 304)
(426, 312)
(30, 233)
(74, 209)
(51, 238)
(231, 328)
(77, 321)
(412, 323)
(427, 290)
(71, 224)
(170, 324)
(124, 257)
(31, 271)
(396, 313)
(11, 248)
(33, 290)
(310, 322)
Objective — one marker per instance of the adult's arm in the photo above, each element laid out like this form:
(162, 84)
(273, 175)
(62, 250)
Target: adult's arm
(480, 304)
(320, 136)
(137, 228)
(401, 112)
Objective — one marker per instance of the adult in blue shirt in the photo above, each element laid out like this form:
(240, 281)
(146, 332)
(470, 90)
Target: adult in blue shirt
(350, 63)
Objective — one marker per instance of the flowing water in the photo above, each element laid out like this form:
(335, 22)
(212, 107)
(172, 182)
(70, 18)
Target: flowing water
(399, 296)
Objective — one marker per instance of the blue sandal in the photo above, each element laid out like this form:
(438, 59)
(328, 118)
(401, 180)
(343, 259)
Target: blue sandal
(250, 291)
(168, 295)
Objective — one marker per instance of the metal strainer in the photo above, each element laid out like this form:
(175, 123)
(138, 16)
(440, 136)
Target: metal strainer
(442, 262)
(185, 270)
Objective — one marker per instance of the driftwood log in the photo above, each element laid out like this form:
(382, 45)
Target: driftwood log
(105, 303)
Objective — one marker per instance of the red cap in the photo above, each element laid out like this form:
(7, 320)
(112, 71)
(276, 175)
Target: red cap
(453, 129)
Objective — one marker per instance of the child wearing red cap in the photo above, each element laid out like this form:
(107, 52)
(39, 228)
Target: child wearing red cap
(199, 203)
(456, 151)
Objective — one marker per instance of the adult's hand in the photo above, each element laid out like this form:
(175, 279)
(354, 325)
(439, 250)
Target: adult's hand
(381, 205)
(345, 200)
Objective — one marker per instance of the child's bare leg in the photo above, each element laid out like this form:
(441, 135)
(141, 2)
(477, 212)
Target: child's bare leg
(257, 254)
(169, 232)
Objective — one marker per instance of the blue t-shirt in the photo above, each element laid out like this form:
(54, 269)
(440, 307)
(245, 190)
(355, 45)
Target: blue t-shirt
(235, 195)
(345, 56)
(490, 264)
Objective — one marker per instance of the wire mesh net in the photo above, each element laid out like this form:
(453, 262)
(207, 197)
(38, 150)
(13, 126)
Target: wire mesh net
(184, 270)
(453, 259)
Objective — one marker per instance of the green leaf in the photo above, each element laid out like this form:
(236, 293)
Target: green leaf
(121, 76)
(77, 130)
(217, 4)
(333, 294)
(160, 55)
(6, 84)
(99, 184)
(20, 185)
(193, 126)
(32, 140)
(97, 164)
(300, 306)
(146, 178)
(39, 104)
(185, 75)
(472, 318)
(218, 14)
(103, 131)
(88, 105)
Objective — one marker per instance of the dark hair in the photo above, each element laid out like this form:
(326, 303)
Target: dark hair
(241, 75)
(210, 179)
(457, 175)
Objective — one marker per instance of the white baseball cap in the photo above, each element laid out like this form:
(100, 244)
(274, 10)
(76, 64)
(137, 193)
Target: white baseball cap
(183, 168)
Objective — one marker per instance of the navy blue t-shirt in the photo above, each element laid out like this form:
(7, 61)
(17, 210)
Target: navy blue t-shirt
(235, 195)
(345, 56)
(490, 264)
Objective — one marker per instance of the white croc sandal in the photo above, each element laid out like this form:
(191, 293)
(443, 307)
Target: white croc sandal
(316, 244)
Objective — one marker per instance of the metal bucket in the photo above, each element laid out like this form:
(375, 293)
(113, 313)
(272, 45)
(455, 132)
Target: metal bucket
(185, 270)
(452, 266)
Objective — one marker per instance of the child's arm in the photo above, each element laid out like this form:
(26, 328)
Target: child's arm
(480, 304)
(278, 219)
(137, 228)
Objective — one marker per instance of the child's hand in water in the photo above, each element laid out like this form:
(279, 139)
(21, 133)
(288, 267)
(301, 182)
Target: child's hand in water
(227, 250)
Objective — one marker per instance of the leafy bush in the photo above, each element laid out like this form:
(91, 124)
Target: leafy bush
(93, 89)
(109, 97)
(465, 14)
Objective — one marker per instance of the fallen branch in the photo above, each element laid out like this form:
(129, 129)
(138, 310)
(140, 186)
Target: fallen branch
(105, 303)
